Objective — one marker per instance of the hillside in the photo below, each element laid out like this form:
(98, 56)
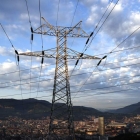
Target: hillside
(34, 109)
(134, 108)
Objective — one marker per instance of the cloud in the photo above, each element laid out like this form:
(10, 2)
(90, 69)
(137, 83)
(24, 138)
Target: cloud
(6, 52)
(120, 23)
(123, 20)
(79, 79)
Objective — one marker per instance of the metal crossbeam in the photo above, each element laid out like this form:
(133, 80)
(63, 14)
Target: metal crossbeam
(48, 29)
(51, 53)
(61, 101)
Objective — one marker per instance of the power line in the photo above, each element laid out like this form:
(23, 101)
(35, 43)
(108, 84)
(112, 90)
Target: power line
(99, 93)
(39, 81)
(105, 81)
(114, 49)
(40, 72)
(78, 91)
(96, 33)
(73, 19)
(106, 87)
(42, 52)
(31, 41)
(57, 11)
(120, 42)
(40, 24)
(102, 16)
(90, 90)
(123, 42)
(73, 60)
(28, 12)
(16, 52)
(107, 92)
(31, 68)
(79, 73)
(99, 72)
(126, 38)
(101, 25)
(119, 45)
(25, 93)
(92, 94)
(74, 12)
(109, 69)
(81, 96)
(31, 71)
(119, 50)
(20, 83)
(53, 74)
(7, 37)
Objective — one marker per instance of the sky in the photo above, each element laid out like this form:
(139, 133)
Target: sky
(113, 84)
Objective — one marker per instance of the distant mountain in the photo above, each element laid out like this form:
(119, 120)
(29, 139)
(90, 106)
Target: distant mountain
(82, 112)
(134, 108)
(29, 108)
(35, 109)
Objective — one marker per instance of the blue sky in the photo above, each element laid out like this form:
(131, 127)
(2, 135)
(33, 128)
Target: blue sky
(124, 19)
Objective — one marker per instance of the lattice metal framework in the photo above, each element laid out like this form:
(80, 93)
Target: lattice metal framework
(52, 53)
(61, 101)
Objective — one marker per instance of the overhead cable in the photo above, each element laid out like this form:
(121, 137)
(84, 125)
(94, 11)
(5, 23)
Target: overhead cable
(31, 41)
(105, 81)
(85, 48)
(81, 69)
(57, 11)
(77, 91)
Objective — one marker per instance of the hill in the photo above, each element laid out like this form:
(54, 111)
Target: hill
(36, 109)
(134, 108)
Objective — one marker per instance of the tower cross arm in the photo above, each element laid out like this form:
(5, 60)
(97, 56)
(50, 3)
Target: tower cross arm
(72, 54)
(84, 57)
(47, 29)
(51, 53)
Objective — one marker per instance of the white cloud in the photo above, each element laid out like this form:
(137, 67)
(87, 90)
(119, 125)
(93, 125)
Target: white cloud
(118, 7)
(6, 52)
(120, 24)
(104, 1)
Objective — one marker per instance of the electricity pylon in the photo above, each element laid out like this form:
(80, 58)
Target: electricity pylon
(61, 102)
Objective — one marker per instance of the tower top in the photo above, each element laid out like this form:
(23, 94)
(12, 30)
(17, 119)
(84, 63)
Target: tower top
(47, 29)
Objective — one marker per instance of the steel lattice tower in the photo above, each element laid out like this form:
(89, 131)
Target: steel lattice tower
(61, 102)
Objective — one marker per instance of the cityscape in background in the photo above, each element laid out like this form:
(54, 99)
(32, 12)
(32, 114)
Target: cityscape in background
(88, 127)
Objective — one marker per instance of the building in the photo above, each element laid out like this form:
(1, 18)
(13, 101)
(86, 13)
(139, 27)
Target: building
(96, 120)
(101, 126)
(117, 125)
